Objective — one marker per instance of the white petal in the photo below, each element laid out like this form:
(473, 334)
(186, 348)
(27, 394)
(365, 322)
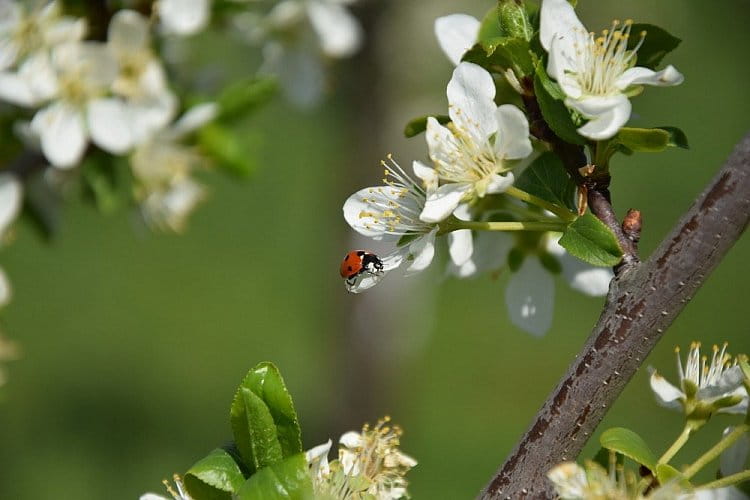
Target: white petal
(444, 201)
(570, 480)
(512, 140)
(351, 439)
(150, 115)
(339, 32)
(390, 262)
(471, 94)
(727, 493)
(562, 64)
(427, 175)
(733, 458)
(194, 118)
(456, 34)
(667, 77)
(587, 279)
(441, 143)
(730, 381)
(6, 292)
(606, 115)
(15, 89)
(666, 394)
(62, 132)
(530, 297)
(422, 250)
(11, 195)
(300, 72)
(109, 125)
(461, 246)
(354, 206)
(65, 29)
(184, 17)
(557, 17)
(39, 72)
(128, 31)
(152, 496)
(499, 183)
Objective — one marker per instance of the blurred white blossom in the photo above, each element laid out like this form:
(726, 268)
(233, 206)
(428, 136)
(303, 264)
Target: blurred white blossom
(456, 34)
(183, 17)
(596, 73)
(471, 154)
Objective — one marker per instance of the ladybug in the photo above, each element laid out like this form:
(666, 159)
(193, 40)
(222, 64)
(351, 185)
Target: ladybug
(358, 262)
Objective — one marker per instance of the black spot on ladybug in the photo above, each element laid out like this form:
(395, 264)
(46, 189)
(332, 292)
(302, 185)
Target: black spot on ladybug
(360, 253)
(350, 268)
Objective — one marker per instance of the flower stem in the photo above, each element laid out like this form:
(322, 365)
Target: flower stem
(728, 480)
(678, 443)
(507, 226)
(561, 212)
(714, 452)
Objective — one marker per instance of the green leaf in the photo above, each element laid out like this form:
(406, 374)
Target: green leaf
(591, 241)
(263, 418)
(554, 111)
(630, 444)
(216, 476)
(231, 151)
(419, 125)
(490, 26)
(665, 473)
(286, 480)
(241, 97)
(547, 179)
(657, 44)
(514, 19)
(647, 140)
(498, 54)
(677, 137)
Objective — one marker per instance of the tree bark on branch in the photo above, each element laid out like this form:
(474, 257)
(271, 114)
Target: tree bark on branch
(642, 302)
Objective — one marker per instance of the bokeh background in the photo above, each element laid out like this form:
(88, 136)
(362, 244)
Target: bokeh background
(133, 343)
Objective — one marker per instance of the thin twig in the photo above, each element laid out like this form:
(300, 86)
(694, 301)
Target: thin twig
(643, 301)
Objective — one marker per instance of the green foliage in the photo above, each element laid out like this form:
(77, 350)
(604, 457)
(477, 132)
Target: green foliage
(503, 45)
(555, 113)
(649, 140)
(490, 27)
(419, 125)
(215, 476)
(547, 179)
(243, 96)
(591, 241)
(285, 480)
(630, 444)
(657, 44)
(231, 151)
(104, 178)
(267, 435)
(514, 20)
(666, 473)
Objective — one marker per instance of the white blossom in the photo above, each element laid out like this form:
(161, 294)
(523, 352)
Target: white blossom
(183, 17)
(162, 165)
(596, 73)
(141, 79)
(472, 154)
(30, 27)
(704, 387)
(390, 213)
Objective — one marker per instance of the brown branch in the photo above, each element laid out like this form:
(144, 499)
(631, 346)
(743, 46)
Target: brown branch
(642, 303)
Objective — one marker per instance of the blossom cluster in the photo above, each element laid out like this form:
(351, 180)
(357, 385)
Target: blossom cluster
(480, 150)
(706, 387)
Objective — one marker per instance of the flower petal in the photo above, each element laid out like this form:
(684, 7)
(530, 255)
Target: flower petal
(15, 89)
(557, 17)
(456, 34)
(639, 75)
(569, 479)
(62, 132)
(562, 65)
(443, 202)
(11, 194)
(128, 30)
(471, 94)
(460, 246)
(606, 115)
(512, 140)
(184, 17)
(587, 279)
(6, 292)
(666, 394)
(109, 125)
(354, 209)
(351, 439)
(427, 175)
(422, 250)
(441, 142)
(194, 118)
(339, 32)
(733, 459)
(499, 183)
(530, 298)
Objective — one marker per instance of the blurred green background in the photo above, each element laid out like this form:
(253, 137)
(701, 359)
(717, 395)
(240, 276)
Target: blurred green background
(133, 343)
